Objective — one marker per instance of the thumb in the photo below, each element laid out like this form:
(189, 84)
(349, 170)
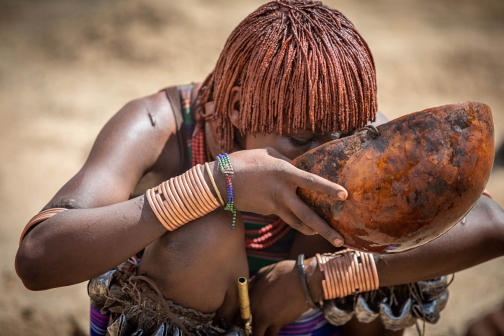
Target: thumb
(276, 154)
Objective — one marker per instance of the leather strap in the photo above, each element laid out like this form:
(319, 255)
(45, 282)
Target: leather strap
(163, 301)
(302, 276)
(173, 96)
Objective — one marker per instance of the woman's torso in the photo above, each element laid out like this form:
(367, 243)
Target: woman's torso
(189, 260)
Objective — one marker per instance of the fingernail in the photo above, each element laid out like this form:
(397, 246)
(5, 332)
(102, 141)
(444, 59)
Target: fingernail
(342, 195)
(337, 242)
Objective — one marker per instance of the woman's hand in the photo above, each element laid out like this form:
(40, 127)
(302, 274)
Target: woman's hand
(264, 182)
(490, 325)
(276, 298)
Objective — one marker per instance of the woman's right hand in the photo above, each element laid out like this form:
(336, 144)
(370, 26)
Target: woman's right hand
(264, 182)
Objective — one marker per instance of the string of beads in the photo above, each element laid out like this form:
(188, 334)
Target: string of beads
(227, 169)
(268, 235)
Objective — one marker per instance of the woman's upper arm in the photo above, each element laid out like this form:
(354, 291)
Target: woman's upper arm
(126, 148)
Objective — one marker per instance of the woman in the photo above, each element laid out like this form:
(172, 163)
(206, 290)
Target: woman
(290, 75)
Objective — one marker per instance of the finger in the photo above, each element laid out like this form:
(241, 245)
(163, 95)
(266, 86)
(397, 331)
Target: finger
(251, 283)
(272, 331)
(480, 329)
(294, 222)
(312, 220)
(498, 321)
(314, 182)
(276, 154)
(258, 328)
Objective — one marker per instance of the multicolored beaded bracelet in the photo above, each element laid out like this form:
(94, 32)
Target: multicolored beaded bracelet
(227, 169)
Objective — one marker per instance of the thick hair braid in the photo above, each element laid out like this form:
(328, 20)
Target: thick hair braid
(297, 62)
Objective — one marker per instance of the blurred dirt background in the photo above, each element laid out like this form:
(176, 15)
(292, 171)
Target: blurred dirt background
(67, 66)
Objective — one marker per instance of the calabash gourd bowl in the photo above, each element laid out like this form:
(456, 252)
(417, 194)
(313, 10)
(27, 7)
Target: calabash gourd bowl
(410, 182)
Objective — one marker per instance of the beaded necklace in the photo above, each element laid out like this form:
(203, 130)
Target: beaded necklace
(268, 235)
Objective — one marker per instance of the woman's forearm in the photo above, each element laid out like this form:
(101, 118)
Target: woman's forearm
(76, 245)
(479, 238)
(79, 244)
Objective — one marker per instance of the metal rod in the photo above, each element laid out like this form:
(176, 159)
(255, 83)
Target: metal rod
(243, 296)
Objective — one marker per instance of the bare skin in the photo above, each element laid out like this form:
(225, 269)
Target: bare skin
(105, 227)
(490, 325)
(131, 155)
(479, 239)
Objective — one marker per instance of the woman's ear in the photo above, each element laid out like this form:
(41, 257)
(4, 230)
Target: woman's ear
(234, 106)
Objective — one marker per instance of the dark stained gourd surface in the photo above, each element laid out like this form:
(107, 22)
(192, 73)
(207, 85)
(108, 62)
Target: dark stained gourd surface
(411, 183)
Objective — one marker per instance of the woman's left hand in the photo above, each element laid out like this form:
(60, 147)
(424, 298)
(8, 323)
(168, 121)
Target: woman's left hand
(276, 298)
(490, 325)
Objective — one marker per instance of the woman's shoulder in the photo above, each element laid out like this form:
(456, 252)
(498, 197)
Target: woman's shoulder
(149, 120)
(161, 107)
(155, 108)
(140, 137)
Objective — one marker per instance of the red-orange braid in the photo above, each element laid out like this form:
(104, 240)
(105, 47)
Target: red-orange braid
(297, 62)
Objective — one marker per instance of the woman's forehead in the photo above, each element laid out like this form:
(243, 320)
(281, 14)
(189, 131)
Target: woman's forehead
(302, 131)
(307, 131)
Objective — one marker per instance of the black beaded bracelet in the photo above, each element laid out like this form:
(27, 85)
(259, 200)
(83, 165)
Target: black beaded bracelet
(302, 276)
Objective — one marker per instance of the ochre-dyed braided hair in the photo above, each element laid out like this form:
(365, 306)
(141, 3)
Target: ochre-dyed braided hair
(298, 62)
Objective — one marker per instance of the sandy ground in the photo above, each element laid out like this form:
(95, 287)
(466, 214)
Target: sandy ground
(67, 66)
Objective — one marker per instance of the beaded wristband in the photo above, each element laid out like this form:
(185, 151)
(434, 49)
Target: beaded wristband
(347, 272)
(227, 169)
(182, 199)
